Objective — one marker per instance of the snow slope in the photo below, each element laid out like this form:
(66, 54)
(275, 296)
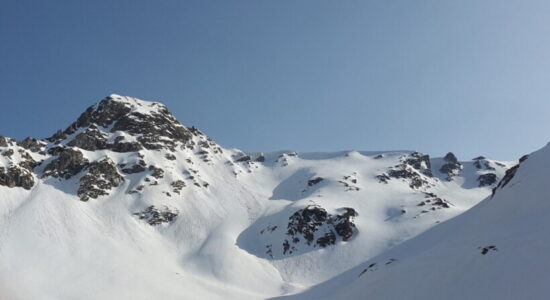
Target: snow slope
(127, 203)
(497, 250)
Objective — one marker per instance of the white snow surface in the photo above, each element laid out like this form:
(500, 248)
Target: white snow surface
(233, 210)
(496, 250)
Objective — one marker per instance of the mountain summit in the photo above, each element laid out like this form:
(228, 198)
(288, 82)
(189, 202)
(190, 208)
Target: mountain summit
(126, 194)
(124, 124)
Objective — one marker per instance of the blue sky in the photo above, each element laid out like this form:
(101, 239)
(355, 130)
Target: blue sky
(470, 77)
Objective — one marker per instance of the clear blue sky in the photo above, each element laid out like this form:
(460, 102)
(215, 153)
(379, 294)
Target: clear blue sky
(472, 77)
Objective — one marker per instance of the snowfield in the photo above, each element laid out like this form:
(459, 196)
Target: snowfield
(496, 250)
(127, 203)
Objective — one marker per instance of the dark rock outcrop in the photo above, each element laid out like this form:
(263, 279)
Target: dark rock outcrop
(313, 220)
(27, 161)
(412, 169)
(485, 250)
(435, 202)
(91, 140)
(414, 179)
(177, 186)
(487, 179)
(481, 162)
(314, 181)
(420, 162)
(451, 167)
(120, 146)
(8, 153)
(16, 177)
(510, 173)
(383, 178)
(68, 163)
(140, 166)
(157, 216)
(243, 158)
(3, 141)
(31, 144)
(343, 223)
(102, 176)
(158, 173)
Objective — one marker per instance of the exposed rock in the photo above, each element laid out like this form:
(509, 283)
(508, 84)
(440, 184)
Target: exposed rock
(90, 140)
(136, 168)
(157, 216)
(523, 158)
(412, 169)
(434, 201)
(383, 178)
(510, 173)
(451, 158)
(486, 249)
(106, 112)
(8, 153)
(56, 137)
(260, 158)
(177, 186)
(154, 129)
(68, 163)
(16, 177)
(370, 268)
(452, 167)
(379, 156)
(158, 173)
(349, 182)
(414, 179)
(308, 221)
(3, 141)
(286, 246)
(487, 179)
(481, 163)
(56, 150)
(314, 181)
(170, 156)
(420, 162)
(326, 240)
(27, 161)
(31, 144)
(122, 147)
(102, 176)
(343, 223)
(243, 158)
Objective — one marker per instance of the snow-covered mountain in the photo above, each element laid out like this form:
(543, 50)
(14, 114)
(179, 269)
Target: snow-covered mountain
(497, 250)
(127, 203)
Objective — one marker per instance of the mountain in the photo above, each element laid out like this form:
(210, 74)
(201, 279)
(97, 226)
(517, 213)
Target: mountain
(128, 203)
(496, 250)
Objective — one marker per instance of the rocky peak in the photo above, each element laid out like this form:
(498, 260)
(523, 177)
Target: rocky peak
(125, 124)
(451, 167)
(3, 141)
